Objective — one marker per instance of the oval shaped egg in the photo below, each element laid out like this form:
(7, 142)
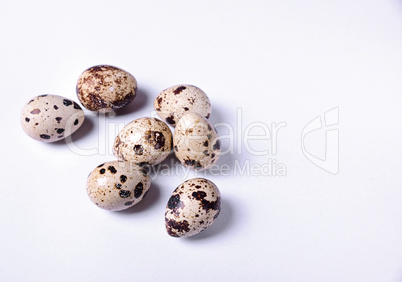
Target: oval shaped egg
(192, 207)
(196, 143)
(117, 185)
(106, 88)
(172, 103)
(144, 141)
(50, 118)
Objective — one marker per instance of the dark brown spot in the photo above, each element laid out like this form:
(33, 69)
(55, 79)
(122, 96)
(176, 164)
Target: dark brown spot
(58, 119)
(138, 149)
(209, 136)
(199, 195)
(159, 101)
(102, 171)
(209, 127)
(123, 178)
(174, 202)
(112, 169)
(101, 165)
(213, 155)
(127, 99)
(195, 164)
(124, 193)
(44, 136)
(186, 109)
(205, 153)
(217, 145)
(60, 130)
(155, 138)
(179, 89)
(55, 107)
(173, 226)
(67, 102)
(129, 203)
(206, 143)
(207, 116)
(76, 122)
(35, 111)
(208, 205)
(175, 148)
(170, 120)
(76, 106)
(117, 185)
(27, 119)
(138, 190)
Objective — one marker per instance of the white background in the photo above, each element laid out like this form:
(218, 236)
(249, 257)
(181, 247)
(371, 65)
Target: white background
(276, 61)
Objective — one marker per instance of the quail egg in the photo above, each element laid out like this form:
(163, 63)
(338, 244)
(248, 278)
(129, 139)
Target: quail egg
(117, 185)
(106, 88)
(172, 103)
(192, 207)
(196, 143)
(145, 141)
(50, 118)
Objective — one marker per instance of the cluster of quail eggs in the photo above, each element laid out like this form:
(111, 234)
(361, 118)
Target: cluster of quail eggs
(117, 185)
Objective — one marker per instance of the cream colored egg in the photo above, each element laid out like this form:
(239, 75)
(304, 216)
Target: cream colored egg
(196, 143)
(106, 88)
(174, 102)
(145, 141)
(192, 207)
(117, 185)
(50, 118)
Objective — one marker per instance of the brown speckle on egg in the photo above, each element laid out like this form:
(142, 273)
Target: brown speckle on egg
(112, 169)
(138, 190)
(124, 193)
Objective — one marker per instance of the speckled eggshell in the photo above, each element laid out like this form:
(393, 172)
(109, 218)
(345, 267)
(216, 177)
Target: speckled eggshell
(106, 88)
(192, 208)
(117, 185)
(145, 141)
(172, 103)
(196, 143)
(50, 118)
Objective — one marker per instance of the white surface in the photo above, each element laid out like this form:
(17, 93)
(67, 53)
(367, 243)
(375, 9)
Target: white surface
(278, 61)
